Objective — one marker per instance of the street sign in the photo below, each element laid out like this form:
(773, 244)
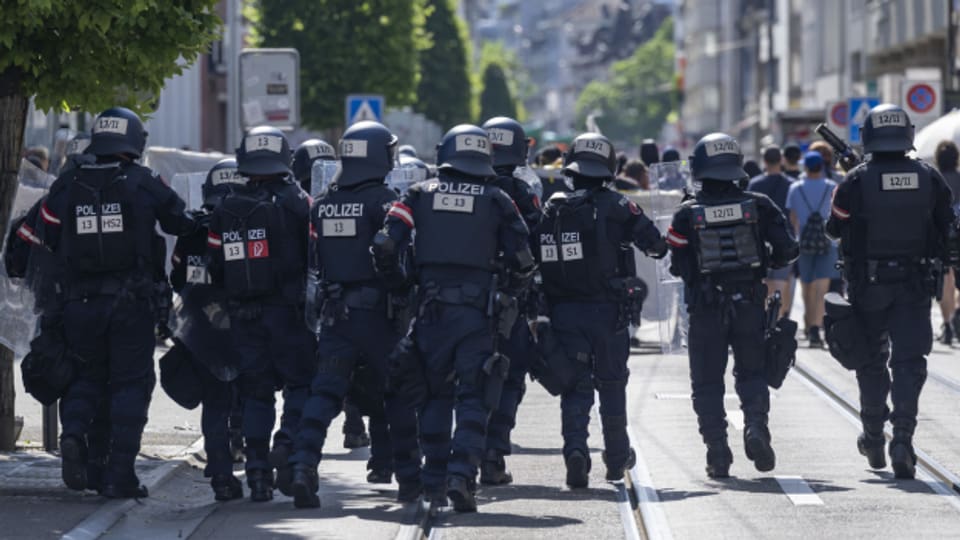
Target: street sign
(360, 107)
(838, 117)
(922, 101)
(857, 110)
(270, 88)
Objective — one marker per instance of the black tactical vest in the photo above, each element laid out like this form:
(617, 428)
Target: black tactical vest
(102, 233)
(252, 226)
(456, 224)
(896, 211)
(577, 257)
(726, 238)
(345, 222)
(190, 261)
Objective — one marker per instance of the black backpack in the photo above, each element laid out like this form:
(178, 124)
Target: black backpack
(813, 235)
(252, 229)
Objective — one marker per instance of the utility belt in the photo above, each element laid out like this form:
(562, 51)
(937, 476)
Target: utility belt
(709, 293)
(927, 272)
(121, 287)
(467, 294)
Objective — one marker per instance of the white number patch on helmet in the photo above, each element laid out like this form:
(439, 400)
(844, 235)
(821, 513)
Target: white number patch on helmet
(472, 143)
(110, 124)
(722, 147)
(500, 136)
(226, 176)
(77, 146)
(601, 148)
(889, 119)
(353, 148)
(320, 150)
(270, 143)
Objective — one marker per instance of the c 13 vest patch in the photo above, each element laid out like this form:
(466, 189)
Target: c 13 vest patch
(101, 227)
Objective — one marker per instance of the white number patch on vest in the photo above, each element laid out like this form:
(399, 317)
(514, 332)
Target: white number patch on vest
(453, 203)
(111, 224)
(87, 225)
(233, 251)
(899, 181)
(339, 227)
(197, 275)
(548, 254)
(572, 252)
(727, 212)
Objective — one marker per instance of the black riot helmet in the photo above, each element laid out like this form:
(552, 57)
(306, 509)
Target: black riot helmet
(409, 150)
(717, 156)
(887, 129)
(466, 149)
(509, 141)
(591, 156)
(77, 145)
(221, 181)
(367, 152)
(649, 153)
(117, 131)
(308, 152)
(264, 151)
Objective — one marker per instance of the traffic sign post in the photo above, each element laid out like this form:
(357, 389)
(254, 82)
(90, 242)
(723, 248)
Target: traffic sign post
(922, 100)
(838, 117)
(857, 110)
(270, 88)
(360, 107)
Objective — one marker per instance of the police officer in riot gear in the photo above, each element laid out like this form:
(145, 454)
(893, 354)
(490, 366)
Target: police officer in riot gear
(893, 217)
(718, 244)
(510, 153)
(352, 310)
(462, 222)
(200, 338)
(257, 249)
(586, 262)
(100, 220)
(308, 152)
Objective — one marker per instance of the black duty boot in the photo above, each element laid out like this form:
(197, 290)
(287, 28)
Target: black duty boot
(356, 440)
(379, 475)
(719, 459)
(756, 443)
(409, 490)
(260, 482)
(305, 485)
(226, 487)
(578, 469)
(616, 472)
(73, 462)
(285, 479)
(493, 469)
(461, 494)
(123, 487)
(279, 459)
(902, 458)
(873, 449)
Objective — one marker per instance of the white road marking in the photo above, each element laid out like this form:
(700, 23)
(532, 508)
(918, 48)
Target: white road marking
(630, 530)
(798, 491)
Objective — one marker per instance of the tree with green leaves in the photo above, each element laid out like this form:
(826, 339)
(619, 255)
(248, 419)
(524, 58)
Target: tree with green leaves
(514, 75)
(444, 94)
(87, 55)
(346, 47)
(496, 99)
(639, 94)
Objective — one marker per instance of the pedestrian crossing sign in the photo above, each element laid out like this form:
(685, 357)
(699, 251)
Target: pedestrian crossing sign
(363, 107)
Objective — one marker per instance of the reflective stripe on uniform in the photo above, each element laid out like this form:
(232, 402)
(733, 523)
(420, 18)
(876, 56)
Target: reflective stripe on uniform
(48, 216)
(26, 233)
(213, 240)
(403, 213)
(676, 239)
(840, 213)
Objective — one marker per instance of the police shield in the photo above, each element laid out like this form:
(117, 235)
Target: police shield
(200, 321)
(26, 284)
(402, 177)
(323, 173)
(669, 184)
(529, 177)
(189, 186)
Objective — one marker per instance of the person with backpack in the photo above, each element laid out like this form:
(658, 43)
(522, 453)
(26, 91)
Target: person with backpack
(776, 185)
(99, 221)
(257, 248)
(809, 205)
(718, 245)
(584, 247)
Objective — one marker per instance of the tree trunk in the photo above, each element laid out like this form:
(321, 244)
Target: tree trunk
(13, 111)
